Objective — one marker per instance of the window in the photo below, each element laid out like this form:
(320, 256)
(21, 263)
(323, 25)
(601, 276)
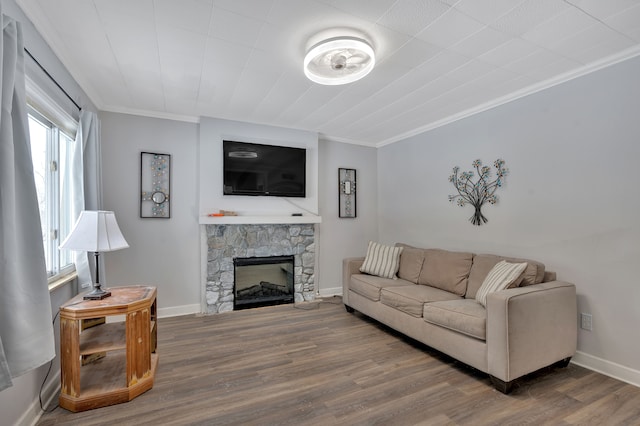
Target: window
(51, 150)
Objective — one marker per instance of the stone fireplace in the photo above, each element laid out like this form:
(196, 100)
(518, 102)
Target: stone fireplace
(225, 243)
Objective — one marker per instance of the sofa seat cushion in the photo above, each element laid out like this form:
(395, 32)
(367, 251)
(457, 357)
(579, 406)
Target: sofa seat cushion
(411, 298)
(465, 316)
(369, 286)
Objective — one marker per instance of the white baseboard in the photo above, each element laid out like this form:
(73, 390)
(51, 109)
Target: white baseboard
(175, 311)
(329, 292)
(50, 390)
(607, 368)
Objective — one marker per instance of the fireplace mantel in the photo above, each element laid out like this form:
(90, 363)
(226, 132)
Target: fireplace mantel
(253, 220)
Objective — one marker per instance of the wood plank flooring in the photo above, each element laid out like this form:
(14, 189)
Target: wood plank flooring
(316, 364)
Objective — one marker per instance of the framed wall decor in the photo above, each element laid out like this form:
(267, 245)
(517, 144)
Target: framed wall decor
(346, 193)
(155, 185)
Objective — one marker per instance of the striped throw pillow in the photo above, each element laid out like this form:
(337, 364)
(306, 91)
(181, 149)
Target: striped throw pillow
(381, 260)
(501, 276)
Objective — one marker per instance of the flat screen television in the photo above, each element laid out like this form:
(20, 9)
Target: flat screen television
(270, 170)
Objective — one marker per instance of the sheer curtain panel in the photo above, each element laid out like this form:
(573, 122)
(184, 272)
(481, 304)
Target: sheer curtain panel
(26, 332)
(86, 183)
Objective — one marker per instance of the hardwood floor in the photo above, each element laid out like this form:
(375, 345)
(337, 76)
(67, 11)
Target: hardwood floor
(319, 365)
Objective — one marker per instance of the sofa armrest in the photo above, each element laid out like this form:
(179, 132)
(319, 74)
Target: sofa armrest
(530, 327)
(350, 266)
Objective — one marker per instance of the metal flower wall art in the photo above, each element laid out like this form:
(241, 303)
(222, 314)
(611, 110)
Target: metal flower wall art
(479, 192)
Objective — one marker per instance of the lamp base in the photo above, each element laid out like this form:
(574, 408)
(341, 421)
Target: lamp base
(96, 294)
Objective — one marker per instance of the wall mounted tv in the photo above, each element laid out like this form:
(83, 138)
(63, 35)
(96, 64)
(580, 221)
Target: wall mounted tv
(256, 169)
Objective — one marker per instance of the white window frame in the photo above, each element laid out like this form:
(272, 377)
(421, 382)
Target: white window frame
(48, 113)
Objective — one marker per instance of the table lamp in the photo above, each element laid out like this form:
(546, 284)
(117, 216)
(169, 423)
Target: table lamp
(95, 231)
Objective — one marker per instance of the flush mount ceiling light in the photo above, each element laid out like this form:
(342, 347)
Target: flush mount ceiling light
(339, 60)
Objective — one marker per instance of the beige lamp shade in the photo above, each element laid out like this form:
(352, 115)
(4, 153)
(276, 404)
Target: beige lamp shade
(95, 231)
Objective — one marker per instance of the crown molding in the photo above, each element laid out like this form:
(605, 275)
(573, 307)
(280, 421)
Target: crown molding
(152, 114)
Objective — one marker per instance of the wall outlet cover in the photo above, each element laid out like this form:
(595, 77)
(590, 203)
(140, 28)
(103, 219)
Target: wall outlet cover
(586, 321)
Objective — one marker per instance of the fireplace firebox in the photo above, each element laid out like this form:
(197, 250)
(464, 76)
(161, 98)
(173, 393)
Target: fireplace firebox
(263, 281)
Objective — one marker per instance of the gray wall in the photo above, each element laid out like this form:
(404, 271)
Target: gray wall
(340, 238)
(571, 199)
(163, 252)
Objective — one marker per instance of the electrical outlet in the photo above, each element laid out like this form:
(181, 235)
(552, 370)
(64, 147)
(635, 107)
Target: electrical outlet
(586, 322)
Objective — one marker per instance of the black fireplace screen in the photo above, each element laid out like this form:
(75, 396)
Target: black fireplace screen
(263, 281)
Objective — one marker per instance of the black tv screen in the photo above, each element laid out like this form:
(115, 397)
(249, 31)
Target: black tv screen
(255, 169)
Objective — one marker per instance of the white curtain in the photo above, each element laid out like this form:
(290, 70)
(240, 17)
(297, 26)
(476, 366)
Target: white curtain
(26, 332)
(86, 184)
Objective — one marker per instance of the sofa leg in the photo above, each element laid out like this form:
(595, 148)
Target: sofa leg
(563, 363)
(504, 387)
(349, 309)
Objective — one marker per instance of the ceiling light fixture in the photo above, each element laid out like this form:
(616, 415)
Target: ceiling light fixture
(339, 60)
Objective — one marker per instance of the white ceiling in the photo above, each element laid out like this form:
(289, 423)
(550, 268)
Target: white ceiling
(437, 60)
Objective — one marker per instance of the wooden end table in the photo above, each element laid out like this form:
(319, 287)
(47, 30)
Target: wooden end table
(105, 363)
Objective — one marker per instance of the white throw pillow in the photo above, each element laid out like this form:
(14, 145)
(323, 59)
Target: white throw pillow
(501, 276)
(381, 260)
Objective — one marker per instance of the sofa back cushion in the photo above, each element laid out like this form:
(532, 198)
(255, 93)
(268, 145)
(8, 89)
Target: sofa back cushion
(411, 261)
(483, 263)
(446, 270)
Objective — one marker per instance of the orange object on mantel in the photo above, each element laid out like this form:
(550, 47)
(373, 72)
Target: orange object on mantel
(223, 213)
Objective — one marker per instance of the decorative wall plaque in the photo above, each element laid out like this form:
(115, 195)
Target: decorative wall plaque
(346, 193)
(155, 185)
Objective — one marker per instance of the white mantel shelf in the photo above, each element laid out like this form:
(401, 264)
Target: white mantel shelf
(258, 220)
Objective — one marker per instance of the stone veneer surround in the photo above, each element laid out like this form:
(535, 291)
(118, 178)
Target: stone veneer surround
(225, 242)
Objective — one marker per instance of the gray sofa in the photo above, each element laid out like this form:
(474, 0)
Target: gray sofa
(432, 300)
